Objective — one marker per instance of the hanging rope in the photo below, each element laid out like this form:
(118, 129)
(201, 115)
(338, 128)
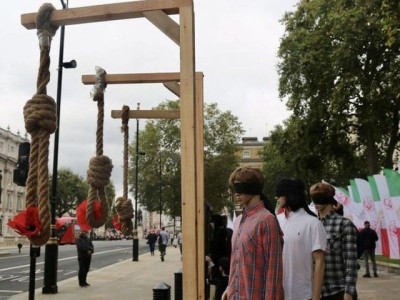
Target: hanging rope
(40, 114)
(123, 205)
(100, 166)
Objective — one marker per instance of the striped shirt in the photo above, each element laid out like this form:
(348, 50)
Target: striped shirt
(340, 256)
(256, 259)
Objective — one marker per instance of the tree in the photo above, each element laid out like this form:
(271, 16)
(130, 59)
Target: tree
(160, 168)
(293, 152)
(340, 72)
(71, 190)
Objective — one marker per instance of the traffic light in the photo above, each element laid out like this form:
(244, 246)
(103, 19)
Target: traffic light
(21, 172)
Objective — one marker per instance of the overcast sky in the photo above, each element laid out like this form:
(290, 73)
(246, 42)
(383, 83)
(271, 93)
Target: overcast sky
(236, 46)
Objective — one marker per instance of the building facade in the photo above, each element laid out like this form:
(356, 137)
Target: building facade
(249, 152)
(12, 198)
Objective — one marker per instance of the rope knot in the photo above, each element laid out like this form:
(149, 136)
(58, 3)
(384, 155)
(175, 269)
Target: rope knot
(124, 209)
(97, 93)
(99, 172)
(45, 30)
(40, 113)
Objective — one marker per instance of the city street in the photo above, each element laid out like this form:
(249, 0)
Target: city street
(14, 268)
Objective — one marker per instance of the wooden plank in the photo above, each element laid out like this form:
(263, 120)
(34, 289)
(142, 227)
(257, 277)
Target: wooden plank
(200, 205)
(188, 157)
(173, 87)
(106, 12)
(130, 78)
(164, 22)
(134, 78)
(147, 114)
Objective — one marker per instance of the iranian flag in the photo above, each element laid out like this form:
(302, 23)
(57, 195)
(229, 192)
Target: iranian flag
(351, 209)
(388, 186)
(362, 193)
(377, 182)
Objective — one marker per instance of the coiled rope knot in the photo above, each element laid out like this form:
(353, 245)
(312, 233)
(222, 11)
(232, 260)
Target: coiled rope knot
(40, 113)
(45, 29)
(124, 208)
(125, 215)
(99, 172)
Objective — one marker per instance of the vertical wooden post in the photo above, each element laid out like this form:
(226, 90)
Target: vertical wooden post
(199, 131)
(188, 140)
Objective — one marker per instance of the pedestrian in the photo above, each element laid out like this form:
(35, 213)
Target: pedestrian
(85, 250)
(304, 242)
(256, 259)
(340, 276)
(222, 281)
(179, 238)
(163, 242)
(151, 241)
(368, 239)
(171, 237)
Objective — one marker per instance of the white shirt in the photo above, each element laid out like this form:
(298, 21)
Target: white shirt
(302, 235)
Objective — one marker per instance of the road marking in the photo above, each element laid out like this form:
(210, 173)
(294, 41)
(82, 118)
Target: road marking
(67, 258)
(11, 291)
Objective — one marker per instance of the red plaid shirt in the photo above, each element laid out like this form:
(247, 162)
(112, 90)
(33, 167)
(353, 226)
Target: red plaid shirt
(256, 260)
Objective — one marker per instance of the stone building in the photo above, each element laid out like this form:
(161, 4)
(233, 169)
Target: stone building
(250, 152)
(12, 198)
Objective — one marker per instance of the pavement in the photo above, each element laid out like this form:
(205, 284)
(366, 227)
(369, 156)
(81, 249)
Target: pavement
(136, 280)
(133, 280)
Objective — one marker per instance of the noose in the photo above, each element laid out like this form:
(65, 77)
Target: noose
(40, 115)
(123, 205)
(100, 166)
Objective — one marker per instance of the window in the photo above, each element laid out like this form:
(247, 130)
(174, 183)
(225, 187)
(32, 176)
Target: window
(1, 227)
(11, 149)
(1, 147)
(246, 153)
(9, 200)
(9, 231)
(19, 202)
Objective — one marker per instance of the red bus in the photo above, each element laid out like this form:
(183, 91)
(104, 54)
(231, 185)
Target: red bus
(67, 230)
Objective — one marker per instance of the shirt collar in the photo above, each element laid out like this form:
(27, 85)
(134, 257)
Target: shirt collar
(328, 216)
(251, 210)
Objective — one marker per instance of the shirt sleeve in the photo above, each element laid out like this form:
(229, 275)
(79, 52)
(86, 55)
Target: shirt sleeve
(318, 233)
(350, 257)
(272, 240)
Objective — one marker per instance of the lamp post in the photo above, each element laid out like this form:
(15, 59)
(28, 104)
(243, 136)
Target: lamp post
(135, 251)
(160, 187)
(51, 248)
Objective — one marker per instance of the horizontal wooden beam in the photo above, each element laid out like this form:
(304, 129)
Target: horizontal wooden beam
(164, 22)
(147, 114)
(133, 78)
(107, 12)
(137, 78)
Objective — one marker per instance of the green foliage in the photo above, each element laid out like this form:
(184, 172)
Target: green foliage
(339, 71)
(159, 172)
(71, 190)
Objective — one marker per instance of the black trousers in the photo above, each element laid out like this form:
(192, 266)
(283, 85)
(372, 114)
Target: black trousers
(84, 266)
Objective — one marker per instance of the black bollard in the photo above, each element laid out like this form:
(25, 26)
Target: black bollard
(178, 285)
(19, 247)
(162, 291)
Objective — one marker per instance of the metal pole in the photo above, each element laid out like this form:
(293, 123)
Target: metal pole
(51, 248)
(160, 190)
(33, 253)
(135, 252)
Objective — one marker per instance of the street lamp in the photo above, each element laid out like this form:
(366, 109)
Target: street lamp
(160, 186)
(51, 248)
(135, 252)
